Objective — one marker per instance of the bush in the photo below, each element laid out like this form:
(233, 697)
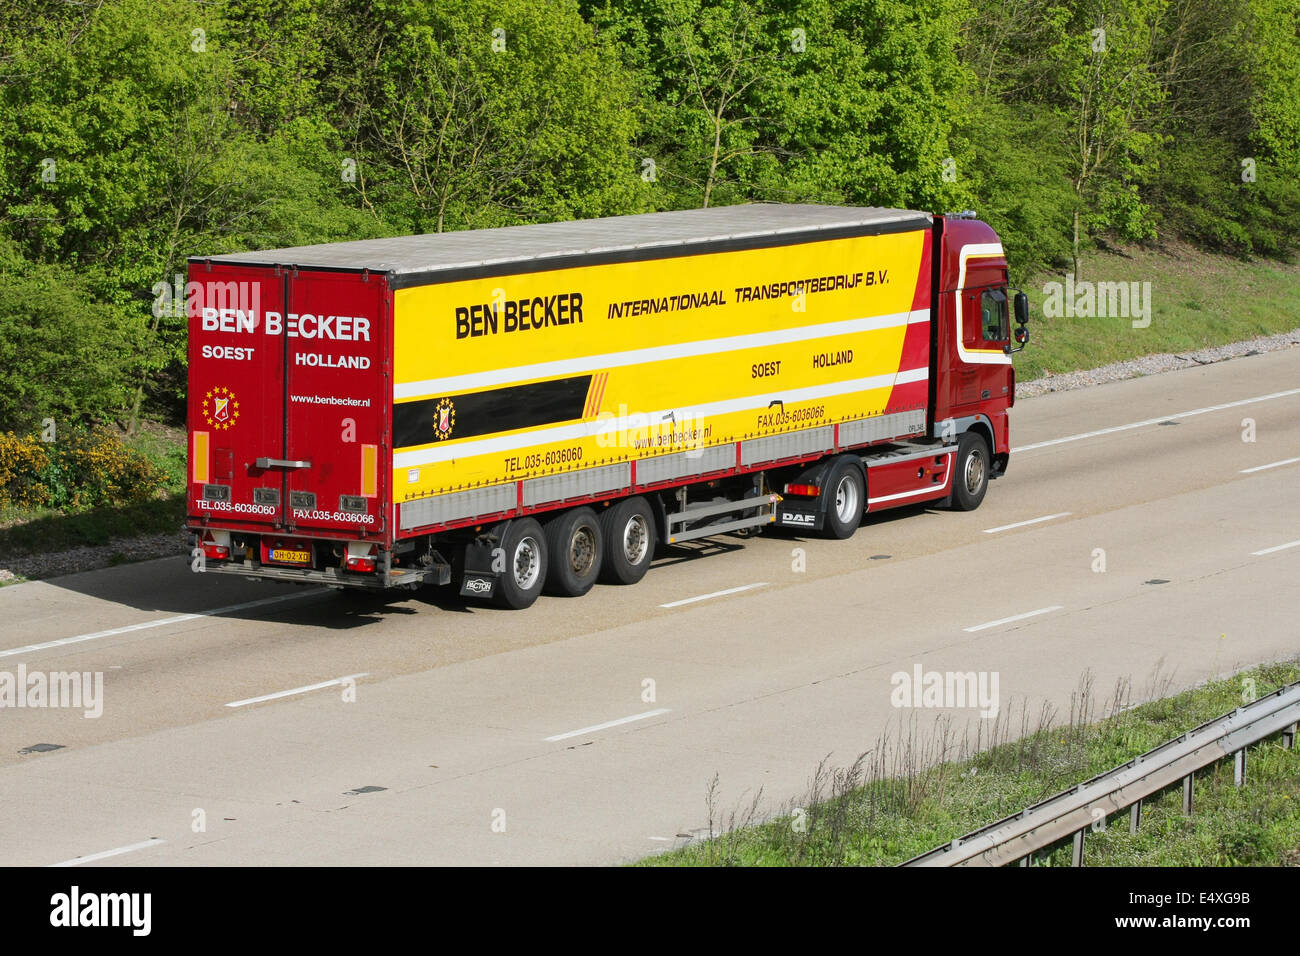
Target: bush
(64, 353)
(1204, 200)
(83, 469)
(23, 460)
(1022, 186)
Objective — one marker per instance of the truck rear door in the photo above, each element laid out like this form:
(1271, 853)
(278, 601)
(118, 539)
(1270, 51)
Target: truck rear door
(288, 403)
(337, 397)
(236, 396)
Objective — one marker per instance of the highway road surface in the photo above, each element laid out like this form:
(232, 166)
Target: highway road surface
(254, 723)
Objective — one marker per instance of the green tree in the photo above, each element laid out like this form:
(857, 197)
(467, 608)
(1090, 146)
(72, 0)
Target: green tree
(133, 152)
(485, 113)
(64, 354)
(1275, 69)
(804, 101)
(1103, 52)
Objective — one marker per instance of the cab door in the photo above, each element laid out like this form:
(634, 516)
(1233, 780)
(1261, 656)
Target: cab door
(983, 372)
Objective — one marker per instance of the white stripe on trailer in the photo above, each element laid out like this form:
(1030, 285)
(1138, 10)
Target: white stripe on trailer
(492, 378)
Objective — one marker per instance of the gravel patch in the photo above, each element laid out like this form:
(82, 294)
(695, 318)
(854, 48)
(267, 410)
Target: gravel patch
(117, 551)
(1154, 364)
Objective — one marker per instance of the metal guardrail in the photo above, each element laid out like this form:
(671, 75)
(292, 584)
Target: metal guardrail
(1072, 812)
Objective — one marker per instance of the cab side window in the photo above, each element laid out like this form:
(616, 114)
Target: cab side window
(994, 323)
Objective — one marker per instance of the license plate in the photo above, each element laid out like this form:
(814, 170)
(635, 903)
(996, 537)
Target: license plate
(291, 557)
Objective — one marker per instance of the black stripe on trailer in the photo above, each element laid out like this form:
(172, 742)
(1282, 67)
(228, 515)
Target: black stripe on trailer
(492, 411)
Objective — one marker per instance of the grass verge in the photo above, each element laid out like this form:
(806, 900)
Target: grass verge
(903, 797)
(37, 530)
(1199, 300)
(43, 530)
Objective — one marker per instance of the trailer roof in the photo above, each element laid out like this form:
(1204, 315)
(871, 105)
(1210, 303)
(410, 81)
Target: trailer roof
(439, 256)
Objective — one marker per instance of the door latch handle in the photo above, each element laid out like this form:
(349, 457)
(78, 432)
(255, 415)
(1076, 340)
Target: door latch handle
(281, 463)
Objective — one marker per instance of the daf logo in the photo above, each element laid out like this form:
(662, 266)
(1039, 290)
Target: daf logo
(788, 517)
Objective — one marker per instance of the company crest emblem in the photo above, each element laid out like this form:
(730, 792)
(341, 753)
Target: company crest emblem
(220, 408)
(444, 419)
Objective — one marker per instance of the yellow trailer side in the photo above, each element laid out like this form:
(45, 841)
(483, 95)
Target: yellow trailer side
(549, 373)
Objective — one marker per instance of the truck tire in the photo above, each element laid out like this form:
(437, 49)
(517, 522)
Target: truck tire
(846, 499)
(629, 532)
(970, 478)
(524, 545)
(575, 545)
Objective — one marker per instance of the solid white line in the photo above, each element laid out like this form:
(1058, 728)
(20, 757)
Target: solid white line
(297, 690)
(1275, 464)
(608, 724)
(1021, 524)
(107, 853)
(658, 353)
(161, 622)
(1008, 620)
(1157, 421)
(705, 597)
(1280, 547)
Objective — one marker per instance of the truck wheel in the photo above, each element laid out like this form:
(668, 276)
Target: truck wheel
(629, 531)
(845, 499)
(524, 545)
(575, 544)
(971, 472)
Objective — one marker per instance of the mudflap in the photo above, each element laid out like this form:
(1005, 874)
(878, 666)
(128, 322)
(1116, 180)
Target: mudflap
(478, 579)
(803, 515)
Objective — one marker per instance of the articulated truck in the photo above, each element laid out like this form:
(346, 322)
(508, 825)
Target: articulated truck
(513, 410)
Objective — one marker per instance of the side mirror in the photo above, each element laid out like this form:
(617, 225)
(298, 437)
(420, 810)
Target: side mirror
(1021, 334)
(1022, 308)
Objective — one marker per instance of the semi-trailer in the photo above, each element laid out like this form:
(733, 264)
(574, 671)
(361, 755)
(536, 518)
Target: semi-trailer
(539, 407)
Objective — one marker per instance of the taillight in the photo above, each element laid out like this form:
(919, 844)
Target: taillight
(216, 545)
(362, 557)
(812, 491)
